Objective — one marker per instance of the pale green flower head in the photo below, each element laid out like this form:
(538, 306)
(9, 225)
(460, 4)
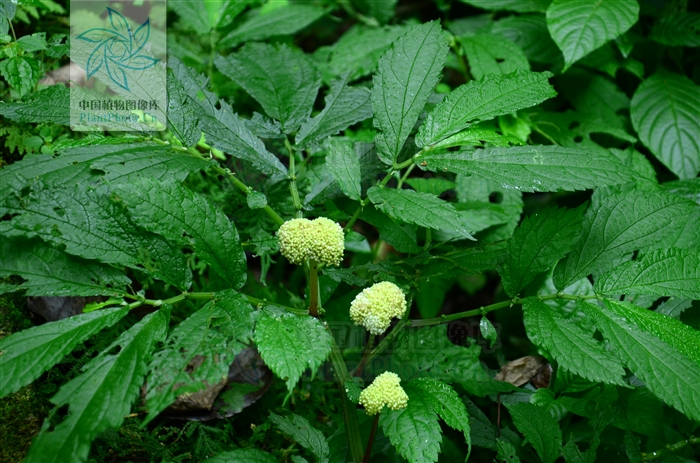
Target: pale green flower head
(384, 390)
(375, 306)
(321, 240)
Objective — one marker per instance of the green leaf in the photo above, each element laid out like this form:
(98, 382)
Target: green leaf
(671, 331)
(572, 347)
(621, 224)
(429, 352)
(202, 17)
(665, 113)
(289, 345)
(304, 434)
(407, 75)
(539, 428)
(49, 105)
(533, 168)
(344, 107)
(594, 94)
(101, 397)
(403, 239)
(434, 186)
(414, 430)
(223, 128)
(538, 244)
(447, 404)
(50, 272)
(358, 51)
(183, 113)
(280, 78)
(34, 42)
(171, 210)
(506, 452)
(418, 208)
(674, 307)
(29, 353)
(483, 100)
(381, 10)
(243, 456)
(493, 54)
(530, 33)
(580, 27)
(345, 167)
(90, 225)
(96, 163)
(478, 136)
(521, 6)
(284, 20)
(198, 353)
(680, 29)
(669, 374)
(19, 72)
(668, 272)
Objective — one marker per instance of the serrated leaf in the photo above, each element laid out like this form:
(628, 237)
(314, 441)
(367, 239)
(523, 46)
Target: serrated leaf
(665, 113)
(280, 78)
(594, 94)
(674, 307)
(358, 51)
(27, 354)
(483, 100)
(96, 163)
(49, 105)
(671, 331)
(289, 345)
(581, 26)
(418, 208)
(90, 225)
(533, 168)
(506, 452)
(434, 186)
(538, 243)
(50, 272)
(414, 430)
(223, 128)
(20, 73)
(101, 397)
(183, 113)
(530, 33)
(283, 20)
(403, 239)
(681, 29)
(668, 272)
(243, 456)
(171, 210)
(34, 42)
(488, 331)
(199, 351)
(447, 404)
(304, 434)
(407, 75)
(670, 375)
(493, 54)
(203, 17)
(573, 348)
(539, 428)
(521, 6)
(344, 165)
(344, 107)
(478, 136)
(621, 224)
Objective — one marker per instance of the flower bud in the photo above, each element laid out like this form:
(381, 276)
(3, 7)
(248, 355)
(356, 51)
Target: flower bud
(327, 242)
(294, 239)
(384, 390)
(375, 306)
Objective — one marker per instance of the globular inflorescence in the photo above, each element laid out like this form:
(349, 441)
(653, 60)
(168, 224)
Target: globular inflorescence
(320, 240)
(375, 306)
(384, 390)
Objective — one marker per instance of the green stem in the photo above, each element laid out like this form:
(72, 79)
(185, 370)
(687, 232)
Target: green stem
(313, 288)
(293, 178)
(405, 176)
(207, 296)
(355, 216)
(670, 448)
(352, 425)
(368, 350)
(388, 339)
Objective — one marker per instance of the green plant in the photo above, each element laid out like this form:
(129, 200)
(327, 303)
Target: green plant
(581, 116)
